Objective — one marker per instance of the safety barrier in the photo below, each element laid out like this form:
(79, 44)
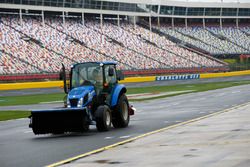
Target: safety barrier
(177, 77)
(50, 84)
(30, 85)
(225, 74)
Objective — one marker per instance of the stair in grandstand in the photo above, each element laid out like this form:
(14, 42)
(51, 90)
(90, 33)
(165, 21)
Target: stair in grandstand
(246, 33)
(144, 24)
(167, 50)
(205, 55)
(109, 39)
(24, 61)
(239, 45)
(175, 40)
(154, 44)
(189, 36)
(194, 38)
(122, 45)
(222, 37)
(190, 47)
(160, 62)
(84, 45)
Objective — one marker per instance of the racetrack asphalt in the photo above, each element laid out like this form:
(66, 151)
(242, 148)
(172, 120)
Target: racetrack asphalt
(218, 139)
(20, 147)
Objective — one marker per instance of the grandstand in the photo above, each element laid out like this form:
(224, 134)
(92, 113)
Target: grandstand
(144, 37)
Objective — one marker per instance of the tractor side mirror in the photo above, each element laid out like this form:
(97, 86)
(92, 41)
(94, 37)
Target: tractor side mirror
(63, 77)
(120, 75)
(111, 72)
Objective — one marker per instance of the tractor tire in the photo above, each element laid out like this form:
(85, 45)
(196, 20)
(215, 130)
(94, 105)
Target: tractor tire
(103, 118)
(121, 113)
(85, 126)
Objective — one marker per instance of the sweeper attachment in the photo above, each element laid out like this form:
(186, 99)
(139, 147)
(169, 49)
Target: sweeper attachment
(94, 97)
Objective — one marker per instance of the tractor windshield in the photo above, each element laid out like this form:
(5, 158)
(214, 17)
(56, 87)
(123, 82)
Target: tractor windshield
(86, 74)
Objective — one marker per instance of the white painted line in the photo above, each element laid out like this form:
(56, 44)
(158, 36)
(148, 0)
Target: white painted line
(202, 112)
(50, 102)
(237, 91)
(29, 131)
(199, 99)
(109, 137)
(220, 94)
(166, 122)
(175, 104)
(177, 121)
(195, 100)
(124, 137)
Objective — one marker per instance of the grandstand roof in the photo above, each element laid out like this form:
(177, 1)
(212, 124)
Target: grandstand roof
(186, 1)
(212, 1)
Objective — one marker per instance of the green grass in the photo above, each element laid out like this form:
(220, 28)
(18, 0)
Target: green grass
(8, 115)
(195, 87)
(30, 99)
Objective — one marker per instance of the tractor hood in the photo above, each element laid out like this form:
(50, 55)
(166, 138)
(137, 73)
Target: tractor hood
(80, 96)
(79, 92)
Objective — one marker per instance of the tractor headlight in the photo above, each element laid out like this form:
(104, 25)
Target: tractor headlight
(80, 102)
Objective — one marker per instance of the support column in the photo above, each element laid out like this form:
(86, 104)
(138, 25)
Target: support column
(118, 20)
(186, 24)
(158, 22)
(150, 24)
(101, 21)
(63, 18)
(220, 23)
(172, 23)
(83, 19)
(21, 17)
(43, 19)
(134, 23)
(204, 24)
(237, 22)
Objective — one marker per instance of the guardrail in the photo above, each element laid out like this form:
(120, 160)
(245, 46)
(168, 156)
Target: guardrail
(51, 84)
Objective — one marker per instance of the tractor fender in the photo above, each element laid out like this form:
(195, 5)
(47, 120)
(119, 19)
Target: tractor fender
(118, 89)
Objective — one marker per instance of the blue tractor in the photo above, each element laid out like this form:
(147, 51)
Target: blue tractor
(94, 97)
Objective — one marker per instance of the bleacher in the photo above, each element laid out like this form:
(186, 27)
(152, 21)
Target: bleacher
(213, 40)
(34, 47)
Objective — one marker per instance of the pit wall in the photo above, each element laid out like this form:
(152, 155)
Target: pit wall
(51, 84)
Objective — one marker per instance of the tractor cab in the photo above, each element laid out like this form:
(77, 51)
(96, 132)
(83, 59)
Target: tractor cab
(102, 77)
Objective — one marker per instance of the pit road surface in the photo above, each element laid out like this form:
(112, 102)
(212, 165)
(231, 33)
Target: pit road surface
(20, 147)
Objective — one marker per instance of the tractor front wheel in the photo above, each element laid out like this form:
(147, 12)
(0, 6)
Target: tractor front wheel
(121, 113)
(103, 118)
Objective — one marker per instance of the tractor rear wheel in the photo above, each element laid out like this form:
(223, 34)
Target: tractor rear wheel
(121, 113)
(103, 118)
